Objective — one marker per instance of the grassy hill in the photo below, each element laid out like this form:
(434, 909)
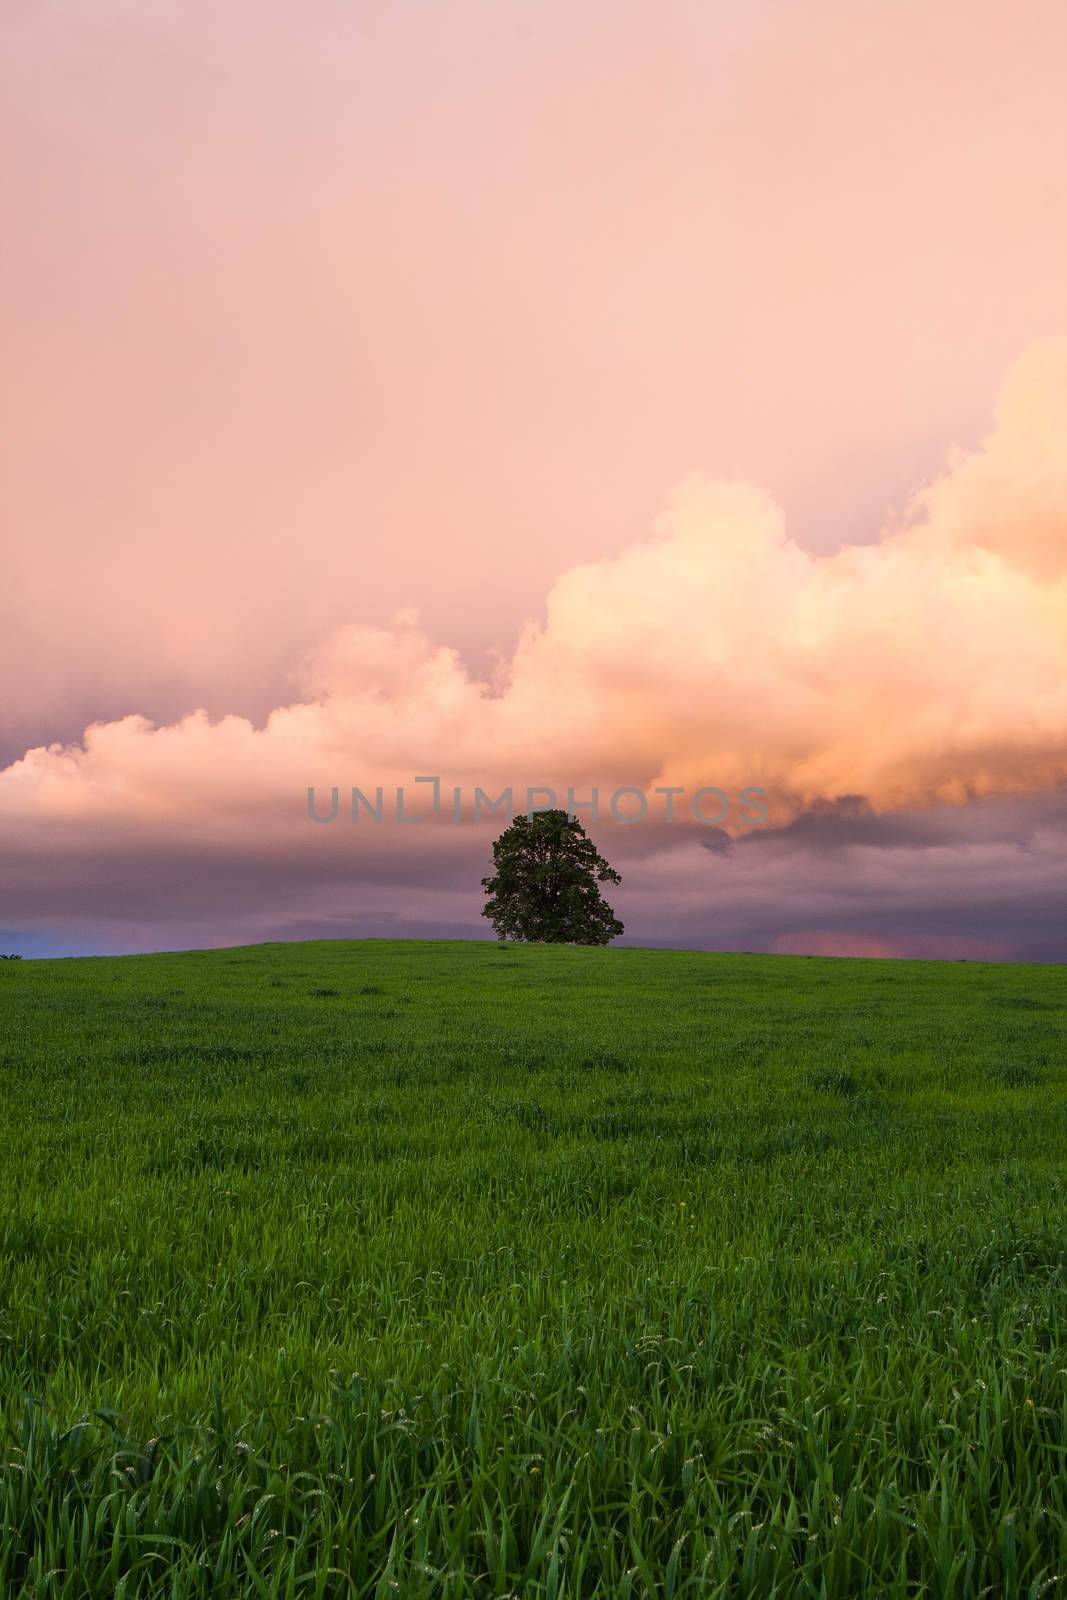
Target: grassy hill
(437, 1269)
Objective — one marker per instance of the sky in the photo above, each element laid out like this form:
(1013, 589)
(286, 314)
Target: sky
(594, 395)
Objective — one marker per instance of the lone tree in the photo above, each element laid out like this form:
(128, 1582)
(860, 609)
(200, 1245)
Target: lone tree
(545, 889)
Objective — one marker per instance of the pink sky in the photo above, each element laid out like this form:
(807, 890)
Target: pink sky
(313, 315)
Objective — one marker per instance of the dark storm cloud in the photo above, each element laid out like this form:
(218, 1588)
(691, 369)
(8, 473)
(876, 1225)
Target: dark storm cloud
(986, 879)
(849, 821)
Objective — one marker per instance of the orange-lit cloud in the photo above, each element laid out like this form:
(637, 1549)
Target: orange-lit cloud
(929, 667)
(310, 313)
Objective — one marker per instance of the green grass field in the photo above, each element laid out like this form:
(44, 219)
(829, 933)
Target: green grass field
(437, 1269)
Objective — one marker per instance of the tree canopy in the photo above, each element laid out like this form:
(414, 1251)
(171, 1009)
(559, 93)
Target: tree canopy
(546, 886)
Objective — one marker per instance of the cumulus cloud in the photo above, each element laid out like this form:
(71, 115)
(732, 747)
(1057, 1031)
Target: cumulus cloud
(928, 668)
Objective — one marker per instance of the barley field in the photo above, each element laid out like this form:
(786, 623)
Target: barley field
(442, 1269)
